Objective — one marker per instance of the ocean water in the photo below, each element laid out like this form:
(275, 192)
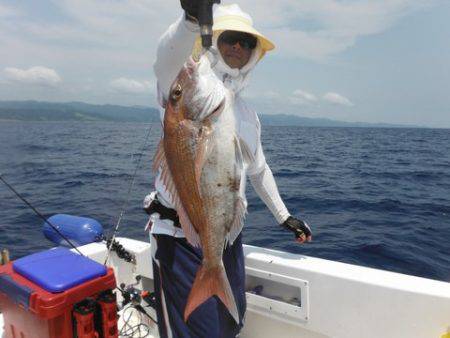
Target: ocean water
(373, 197)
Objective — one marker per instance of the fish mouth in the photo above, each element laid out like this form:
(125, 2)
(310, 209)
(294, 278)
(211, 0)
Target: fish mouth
(218, 110)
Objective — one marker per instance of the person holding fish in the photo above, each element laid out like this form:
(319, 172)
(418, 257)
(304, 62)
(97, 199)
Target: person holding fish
(211, 142)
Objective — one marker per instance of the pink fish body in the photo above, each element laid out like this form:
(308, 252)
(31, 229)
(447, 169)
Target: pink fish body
(200, 163)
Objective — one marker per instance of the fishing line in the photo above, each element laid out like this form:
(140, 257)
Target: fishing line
(129, 330)
(39, 214)
(212, 53)
(122, 213)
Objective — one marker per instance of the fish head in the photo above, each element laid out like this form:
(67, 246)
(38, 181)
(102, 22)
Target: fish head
(197, 92)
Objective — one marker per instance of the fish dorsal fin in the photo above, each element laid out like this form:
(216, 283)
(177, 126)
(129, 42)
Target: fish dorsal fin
(159, 157)
(203, 142)
(203, 151)
(160, 162)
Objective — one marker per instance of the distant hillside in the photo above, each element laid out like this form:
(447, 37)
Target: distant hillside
(74, 111)
(288, 120)
(79, 111)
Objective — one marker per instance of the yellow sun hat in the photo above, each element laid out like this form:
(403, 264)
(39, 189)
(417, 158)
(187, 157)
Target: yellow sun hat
(233, 18)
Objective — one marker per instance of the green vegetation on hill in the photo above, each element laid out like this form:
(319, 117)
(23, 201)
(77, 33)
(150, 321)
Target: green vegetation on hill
(79, 111)
(74, 111)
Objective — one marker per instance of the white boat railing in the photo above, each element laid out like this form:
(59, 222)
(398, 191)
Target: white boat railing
(301, 296)
(292, 295)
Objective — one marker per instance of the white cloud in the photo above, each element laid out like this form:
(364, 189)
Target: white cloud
(318, 29)
(302, 97)
(131, 86)
(35, 75)
(98, 38)
(313, 29)
(7, 12)
(338, 99)
(94, 34)
(132, 24)
(272, 94)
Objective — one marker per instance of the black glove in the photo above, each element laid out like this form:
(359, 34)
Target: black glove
(300, 228)
(190, 7)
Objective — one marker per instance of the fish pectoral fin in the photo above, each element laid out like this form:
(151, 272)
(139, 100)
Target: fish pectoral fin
(246, 153)
(202, 152)
(243, 152)
(211, 282)
(238, 154)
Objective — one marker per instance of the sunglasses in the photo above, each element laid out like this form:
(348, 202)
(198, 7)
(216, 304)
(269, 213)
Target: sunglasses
(245, 40)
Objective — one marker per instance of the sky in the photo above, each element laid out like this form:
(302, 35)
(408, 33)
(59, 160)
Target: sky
(352, 60)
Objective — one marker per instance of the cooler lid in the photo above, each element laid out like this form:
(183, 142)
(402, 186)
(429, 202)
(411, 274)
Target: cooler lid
(59, 269)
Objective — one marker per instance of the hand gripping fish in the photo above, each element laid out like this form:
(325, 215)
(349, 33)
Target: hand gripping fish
(200, 161)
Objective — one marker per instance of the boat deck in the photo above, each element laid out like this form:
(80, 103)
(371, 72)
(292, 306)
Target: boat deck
(307, 297)
(128, 326)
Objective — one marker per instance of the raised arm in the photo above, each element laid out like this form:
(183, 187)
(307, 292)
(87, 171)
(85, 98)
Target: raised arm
(174, 48)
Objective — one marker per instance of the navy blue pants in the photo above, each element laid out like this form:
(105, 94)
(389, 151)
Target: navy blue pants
(174, 267)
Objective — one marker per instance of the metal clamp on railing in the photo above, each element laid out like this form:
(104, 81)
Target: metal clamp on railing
(121, 252)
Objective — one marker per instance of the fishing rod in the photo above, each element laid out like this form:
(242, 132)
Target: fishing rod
(125, 204)
(39, 214)
(111, 241)
(205, 21)
(131, 294)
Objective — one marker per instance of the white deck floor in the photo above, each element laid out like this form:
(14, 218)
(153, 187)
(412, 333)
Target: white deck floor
(314, 298)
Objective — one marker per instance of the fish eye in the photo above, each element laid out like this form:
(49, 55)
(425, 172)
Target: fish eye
(177, 91)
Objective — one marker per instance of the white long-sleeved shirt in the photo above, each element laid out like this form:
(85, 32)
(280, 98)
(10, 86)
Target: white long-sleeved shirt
(175, 46)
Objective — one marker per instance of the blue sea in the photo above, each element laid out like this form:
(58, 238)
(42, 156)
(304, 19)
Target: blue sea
(373, 197)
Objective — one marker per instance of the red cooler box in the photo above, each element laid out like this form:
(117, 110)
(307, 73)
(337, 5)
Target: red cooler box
(38, 294)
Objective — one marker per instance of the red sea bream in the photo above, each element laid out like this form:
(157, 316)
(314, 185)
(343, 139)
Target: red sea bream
(201, 163)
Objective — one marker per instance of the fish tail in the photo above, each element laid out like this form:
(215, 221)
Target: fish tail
(207, 283)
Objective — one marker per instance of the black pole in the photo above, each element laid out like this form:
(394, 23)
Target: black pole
(39, 214)
(205, 20)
